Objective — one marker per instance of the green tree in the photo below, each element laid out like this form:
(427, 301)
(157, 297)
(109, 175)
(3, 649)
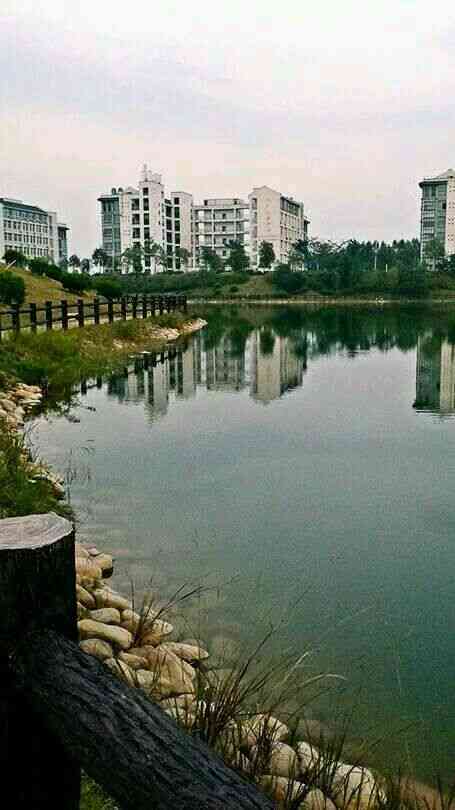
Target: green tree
(109, 288)
(100, 258)
(132, 258)
(15, 257)
(183, 255)
(85, 266)
(266, 255)
(39, 266)
(210, 261)
(74, 262)
(12, 288)
(238, 259)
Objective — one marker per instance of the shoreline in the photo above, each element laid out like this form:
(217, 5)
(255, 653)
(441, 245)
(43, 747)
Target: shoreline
(386, 302)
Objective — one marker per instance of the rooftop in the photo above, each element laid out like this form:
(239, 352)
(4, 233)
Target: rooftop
(23, 206)
(439, 178)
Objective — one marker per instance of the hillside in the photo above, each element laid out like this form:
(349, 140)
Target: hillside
(41, 288)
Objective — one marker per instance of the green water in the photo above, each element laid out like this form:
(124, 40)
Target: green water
(286, 455)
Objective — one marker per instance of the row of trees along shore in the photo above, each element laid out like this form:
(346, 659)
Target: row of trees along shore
(323, 267)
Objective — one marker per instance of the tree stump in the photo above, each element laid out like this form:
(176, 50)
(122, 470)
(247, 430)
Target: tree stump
(37, 592)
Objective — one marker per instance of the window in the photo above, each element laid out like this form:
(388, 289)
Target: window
(146, 233)
(146, 219)
(145, 192)
(177, 213)
(146, 205)
(176, 201)
(135, 203)
(136, 219)
(136, 233)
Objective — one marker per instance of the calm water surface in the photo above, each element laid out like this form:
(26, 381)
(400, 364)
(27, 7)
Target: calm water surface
(285, 453)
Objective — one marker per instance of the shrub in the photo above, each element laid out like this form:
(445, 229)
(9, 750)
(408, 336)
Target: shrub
(38, 266)
(16, 257)
(12, 289)
(75, 282)
(108, 288)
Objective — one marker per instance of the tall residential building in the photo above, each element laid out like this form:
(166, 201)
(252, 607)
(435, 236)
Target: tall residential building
(32, 231)
(144, 216)
(435, 375)
(437, 216)
(277, 219)
(219, 221)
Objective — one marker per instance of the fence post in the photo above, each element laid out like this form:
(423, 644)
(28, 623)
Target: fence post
(37, 550)
(160, 304)
(110, 311)
(144, 306)
(16, 317)
(33, 318)
(123, 305)
(64, 306)
(134, 307)
(80, 311)
(48, 308)
(96, 310)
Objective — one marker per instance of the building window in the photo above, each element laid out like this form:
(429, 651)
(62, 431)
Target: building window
(177, 213)
(146, 219)
(176, 201)
(135, 204)
(145, 192)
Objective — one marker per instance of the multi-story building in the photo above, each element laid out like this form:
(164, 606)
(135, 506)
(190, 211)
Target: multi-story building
(219, 221)
(435, 375)
(143, 216)
(437, 215)
(276, 219)
(32, 231)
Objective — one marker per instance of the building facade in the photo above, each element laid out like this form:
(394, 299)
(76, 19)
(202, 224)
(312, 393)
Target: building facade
(181, 230)
(437, 214)
(219, 221)
(32, 231)
(276, 219)
(144, 216)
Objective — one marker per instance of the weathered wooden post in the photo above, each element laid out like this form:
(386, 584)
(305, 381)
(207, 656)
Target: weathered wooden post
(110, 311)
(96, 310)
(48, 311)
(33, 318)
(144, 306)
(80, 311)
(64, 305)
(160, 304)
(134, 307)
(123, 306)
(16, 317)
(37, 592)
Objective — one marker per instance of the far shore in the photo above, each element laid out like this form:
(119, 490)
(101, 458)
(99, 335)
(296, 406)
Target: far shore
(323, 301)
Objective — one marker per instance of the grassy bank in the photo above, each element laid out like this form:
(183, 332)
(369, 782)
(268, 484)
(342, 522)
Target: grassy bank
(60, 359)
(39, 289)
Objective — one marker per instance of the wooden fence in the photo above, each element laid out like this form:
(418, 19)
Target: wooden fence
(61, 710)
(63, 314)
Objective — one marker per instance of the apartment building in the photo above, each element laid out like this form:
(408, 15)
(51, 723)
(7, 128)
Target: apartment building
(276, 219)
(145, 216)
(219, 221)
(437, 213)
(31, 230)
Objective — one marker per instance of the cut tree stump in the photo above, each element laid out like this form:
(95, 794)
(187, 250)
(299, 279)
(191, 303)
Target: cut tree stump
(37, 592)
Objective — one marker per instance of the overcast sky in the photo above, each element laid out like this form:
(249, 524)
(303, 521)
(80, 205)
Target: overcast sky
(345, 105)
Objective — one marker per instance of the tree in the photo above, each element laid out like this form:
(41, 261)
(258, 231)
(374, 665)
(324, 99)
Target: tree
(108, 287)
(434, 251)
(12, 288)
(183, 255)
(211, 261)
(132, 258)
(15, 257)
(38, 266)
(100, 257)
(74, 262)
(238, 259)
(266, 255)
(76, 282)
(85, 266)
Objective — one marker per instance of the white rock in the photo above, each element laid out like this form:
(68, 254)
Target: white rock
(121, 670)
(316, 800)
(85, 598)
(185, 651)
(282, 789)
(262, 727)
(354, 785)
(106, 615)
(107, 598)
(97, 648)
(279, 759)
(309, 756)
(156, 632)
(88, 628)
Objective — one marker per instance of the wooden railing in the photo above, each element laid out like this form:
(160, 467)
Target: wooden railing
(64, 314)
(61, 710)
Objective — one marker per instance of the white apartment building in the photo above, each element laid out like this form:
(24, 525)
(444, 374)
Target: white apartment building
(144, 216)
(219, 221)
(437, 214)
(31, 230)
(276, 219)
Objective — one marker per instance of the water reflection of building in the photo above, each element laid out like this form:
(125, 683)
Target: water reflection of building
(225, 368)
(435, 378)
(275, 368)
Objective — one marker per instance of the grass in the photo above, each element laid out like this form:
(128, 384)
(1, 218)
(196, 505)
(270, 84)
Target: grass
(39, 289)
(60, 359)
(19, 493)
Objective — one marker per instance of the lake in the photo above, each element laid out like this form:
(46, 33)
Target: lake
(302, 461)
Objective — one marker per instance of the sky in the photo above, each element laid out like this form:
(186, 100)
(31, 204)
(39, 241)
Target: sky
(344, 105)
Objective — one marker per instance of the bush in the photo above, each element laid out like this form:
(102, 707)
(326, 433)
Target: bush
(75, 282)
(108, 288)
(12, 289)
(38, 266)
(16, 257)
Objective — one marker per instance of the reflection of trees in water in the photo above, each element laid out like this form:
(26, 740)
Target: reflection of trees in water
(332, 329)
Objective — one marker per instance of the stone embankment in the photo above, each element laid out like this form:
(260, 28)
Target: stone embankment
(136, 646)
